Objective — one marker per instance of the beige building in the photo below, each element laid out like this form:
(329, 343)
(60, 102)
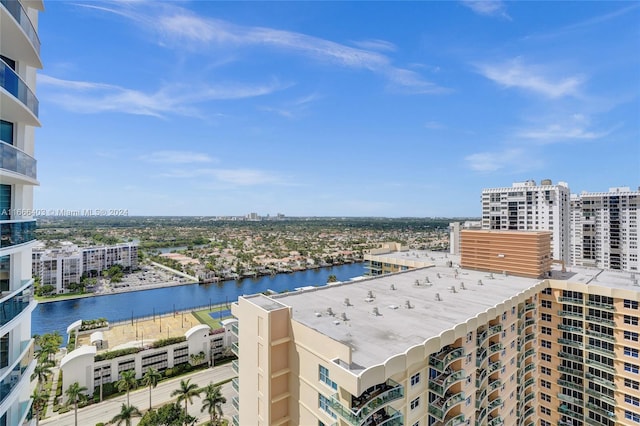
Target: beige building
(393, 257)
(443, 346)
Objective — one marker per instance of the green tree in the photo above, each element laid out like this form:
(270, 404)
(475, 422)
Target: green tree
(42, 371)
(151, 378)
(332, 279)
(75, 393)
(168, 415)
(212, 402)
(185, 393)
(127, 382)
(39, 402)
(126, 414)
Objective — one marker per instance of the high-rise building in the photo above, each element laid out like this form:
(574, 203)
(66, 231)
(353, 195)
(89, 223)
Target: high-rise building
(19, 59)
(604, 229)
(526, 206)
(454, 233)
(444, 346)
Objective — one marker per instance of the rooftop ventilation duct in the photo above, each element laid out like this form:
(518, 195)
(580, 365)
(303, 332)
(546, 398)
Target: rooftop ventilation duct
(393, 287)
(343, 316)
(330, 311)
(438, 275)
(407, 304)
(346, 302)
(438, 297)
(452, 289)
(376, 312)
(462, 287)
(490, 275)
(426, 280)
(480, 282)
(370, 295)
(504, 273)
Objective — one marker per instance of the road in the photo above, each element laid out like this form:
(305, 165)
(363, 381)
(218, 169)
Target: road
(161, 394)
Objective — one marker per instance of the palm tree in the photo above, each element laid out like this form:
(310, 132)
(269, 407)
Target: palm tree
(212, 402)
(75, 393)
(42, 371)
(127, 412)
(127, 382)
(185, 393)
(39, 401)
(151, 378)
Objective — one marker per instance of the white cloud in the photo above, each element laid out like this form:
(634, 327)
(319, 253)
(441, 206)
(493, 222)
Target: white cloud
(487, 7)
(515, 159)
(236, 177)
(533, 78)
(177, 157)
(91, 97)
(572, 128)
(375, 44)
(434, 125)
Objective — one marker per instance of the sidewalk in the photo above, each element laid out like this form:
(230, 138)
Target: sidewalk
(161, 394)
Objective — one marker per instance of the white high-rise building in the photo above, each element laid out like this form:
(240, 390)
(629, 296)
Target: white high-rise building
(604, 229)
(526, 206)
(19, 60)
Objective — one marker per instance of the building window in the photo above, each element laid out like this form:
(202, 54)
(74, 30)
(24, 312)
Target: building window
(633, 400)
(545, 370)
(633, 416)
(545, 384)
(544, 423)
(630, 304)
(545, 357)
(545, 397)
(631, 335)
(323, 372)
(415, 379)
(632, 384)
(504, 316)
(323, 403)
(546, 411)
(469, 336)
(545, 330)
(632, 368)
(546, 303)
(629, 319)
(546, 290)
(545, 344)
(632, 352)
(545, 317)
(415, 403)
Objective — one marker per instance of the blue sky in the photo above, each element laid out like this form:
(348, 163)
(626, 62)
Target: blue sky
(332, 108)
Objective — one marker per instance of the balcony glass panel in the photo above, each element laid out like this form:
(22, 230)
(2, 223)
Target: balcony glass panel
(14, 160)
(234, 366)
(15, 305)
(12, 83)
(234, 328)
(569, 412)
(15, 9)
(444, 358)
(235, 348)
(441, 406)
(367, 404)
(15, 376)
(494, 404)
(17, 232)
(441, 383)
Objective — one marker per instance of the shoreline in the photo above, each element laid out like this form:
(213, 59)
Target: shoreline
(144, 287)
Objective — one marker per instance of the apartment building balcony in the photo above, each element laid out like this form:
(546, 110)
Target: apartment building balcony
(601, 366)
(26, 40)
(235, 348)
(604, 397)
(234, 366)
(602, 336)
(570, 328)
(600, 320)
(570, 399)
(570, 314)
(234, 328)
(234, 384)
(494, 404)
(236, 420)
(528, 412)
(453, 421)
(235, 402)
(15, 303)
(441, 406)
(442, 360)
(529, 382)
(529, 322)
(19, 371)
(569, 342)
(572, 300)
(602, 382)
(491, 331)
(368, 404)
(529, 307)
(495, 421)
(494, 384)
(602, 411)
(444, 381)
(495, 347)
(529, 397)
(600, 305)
(481, 356)
(571, 385)
(480, 415)
(494, 366)
(16, 161)
(567, 411)
(16, 232)
(19, 104)
(481, 376)
(569, 370)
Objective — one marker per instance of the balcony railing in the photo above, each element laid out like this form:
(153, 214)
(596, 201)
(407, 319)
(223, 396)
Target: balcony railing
(602, 382)
(570, 328)
(481, 355)
(235, 348)
(528, 397)
(573, 300)
(529, 307)
(529, 322)
(600, 320)
(17, 374)
(601, 366)
(480, 416)
(599, 305)
(234, 328)
(367, 407)
(234, 384)
(235, 402)
(609, 414)
(570, 314)
(480, 396)
(19, 14)
(572, 357)
(571, 385)
(569, 412)
(234, 366)
(570, 399)
(441, 383)
(481, 375)
(15, 232)
(529, 411)
(494, 404)
(599, 395)
(497, 347)
(236, 420)
(443, 359)
(12, 83)
(568, 370)
(530, 381)
(14, 160)
(603, 336)
(576, 343)
(495, 384)
(16, 304)
(453, 421)
(494, 366)
(528, 337)
(441, 406)
(495, 421)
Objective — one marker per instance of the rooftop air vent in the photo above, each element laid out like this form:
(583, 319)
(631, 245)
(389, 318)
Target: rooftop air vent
(504, 273)
(370, 295)
(393, 287)
(318, 314)
(426, 280)
(343, 316)
(491, 275)
(407, 304)
(330, 312)
(438, 297)
(375, 312)
(480, 282)
(346, 302)
(438, 275)
(452, 289)
(462, 287)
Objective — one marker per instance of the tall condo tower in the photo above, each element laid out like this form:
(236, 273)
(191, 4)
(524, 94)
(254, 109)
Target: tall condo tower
(527, 206)
(19, 59)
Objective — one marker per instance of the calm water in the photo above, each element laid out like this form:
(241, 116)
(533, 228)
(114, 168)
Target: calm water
(49, 317)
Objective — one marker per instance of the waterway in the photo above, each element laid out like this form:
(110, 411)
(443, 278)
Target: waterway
(52, 316)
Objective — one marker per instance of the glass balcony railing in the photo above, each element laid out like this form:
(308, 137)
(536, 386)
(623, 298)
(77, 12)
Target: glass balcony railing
(602, 411)
(236, 420)
(576, 343)
(564, 409)
(367, 405)
(453, 421)
(441, 383)
(603, 336)
(601, 366)
(606, 398)
(495, 384)
(573, 300)
(12, 83)
(480, 396)
(494, 366)
(569, 370)
(234, 328)
(16, 10)
(234, 384)
(13, 306)
(17, 373)
(602, 382)
(494, 404)
(444, 358)
(599, 305)
(482, 336)
(528, 337)
(496, 347)
(441, 406)
(529, 397)
(495, 421)
(481, 355)
(600, 320)
(15, 232)
(570, 314)
(481, 375)
(570, 399)
(389, 417)
(563, 327)
(529, 367)
(480, 415)
(529, 411)
(235, 402)
(14, 160)
(529, 322)
(571, 385)
(529, 382)
(529, 307)
(234, 366)
(235, 348)
(570, 356)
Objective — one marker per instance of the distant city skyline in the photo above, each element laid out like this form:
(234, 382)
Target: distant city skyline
(340, 109)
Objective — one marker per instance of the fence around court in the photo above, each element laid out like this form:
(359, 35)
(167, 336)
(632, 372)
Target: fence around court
(134, 318)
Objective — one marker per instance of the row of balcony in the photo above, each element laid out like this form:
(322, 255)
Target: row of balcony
(599, 395)
(12, 83)
(600, 320)
(570, 328)
(566, 410)
(483, 335)
(609, 414)
(603, 336)
(17, 232)
(441, 383)
(453, 421)
(234, 328)
(235, 348)
(573, 300)
(18, 372)
(446, 357)
(14, 160)
(600, 305)
(601, 381)
(14, 304)
(358, 415)
(441, 406)
(16, 10)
